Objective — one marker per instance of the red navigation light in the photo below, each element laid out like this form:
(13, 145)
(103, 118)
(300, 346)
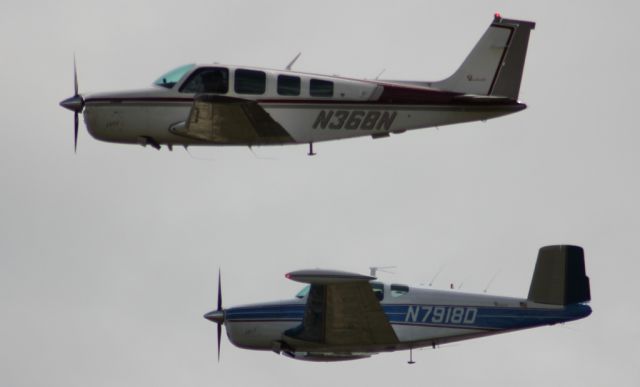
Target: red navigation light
(497, 16)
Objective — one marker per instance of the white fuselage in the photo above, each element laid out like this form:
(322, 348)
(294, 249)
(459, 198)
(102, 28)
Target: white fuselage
(420, 317)
(353, 108)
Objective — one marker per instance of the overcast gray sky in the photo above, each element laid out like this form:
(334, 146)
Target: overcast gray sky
(109, 257)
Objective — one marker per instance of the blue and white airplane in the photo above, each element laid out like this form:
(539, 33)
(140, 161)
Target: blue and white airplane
(347, 316)
(217, 104)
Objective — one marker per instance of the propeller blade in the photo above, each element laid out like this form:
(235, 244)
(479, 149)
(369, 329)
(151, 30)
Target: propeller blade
(219, 339)
(219, 309)
(219, 292)
(75, 133)
(75, 76)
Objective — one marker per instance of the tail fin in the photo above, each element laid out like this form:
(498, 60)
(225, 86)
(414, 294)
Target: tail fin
(559, 277)
(494, 66)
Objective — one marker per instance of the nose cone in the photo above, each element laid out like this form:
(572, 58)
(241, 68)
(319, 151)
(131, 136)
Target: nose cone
(75, 103)
(216, 316)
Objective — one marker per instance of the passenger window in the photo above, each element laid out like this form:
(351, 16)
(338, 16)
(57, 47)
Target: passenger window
(250, 82)
(399, 290)
(320, 88)
(208, 80)
(288, 85)
(378, 290)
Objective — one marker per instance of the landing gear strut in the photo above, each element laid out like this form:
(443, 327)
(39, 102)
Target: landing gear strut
(311, 153)
(411, 357)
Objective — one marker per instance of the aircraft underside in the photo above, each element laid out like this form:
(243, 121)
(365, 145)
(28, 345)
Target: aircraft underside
(174, 123)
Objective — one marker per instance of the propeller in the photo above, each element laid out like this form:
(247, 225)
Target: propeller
(217, 316)
(75, 104)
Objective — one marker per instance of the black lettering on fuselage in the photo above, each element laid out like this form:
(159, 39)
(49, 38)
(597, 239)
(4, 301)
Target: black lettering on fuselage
(370, 120)
(354, 119)
(341, 117)
(323, 119)
(386, 120)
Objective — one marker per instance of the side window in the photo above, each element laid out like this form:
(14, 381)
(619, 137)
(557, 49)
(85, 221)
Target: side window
(378, 290)
(399, 290)
(208, 80)
(320, 88)
(288, 85)
(250, 82)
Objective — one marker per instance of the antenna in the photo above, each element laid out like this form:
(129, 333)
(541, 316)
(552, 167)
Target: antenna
(385, 269)
(260, 157)
(293, 61)
(463, 281)
(437, 274)
(491, 280)
(380, 73)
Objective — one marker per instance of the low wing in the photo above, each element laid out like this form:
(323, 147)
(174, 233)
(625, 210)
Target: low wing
(342, 311)
(232, 121)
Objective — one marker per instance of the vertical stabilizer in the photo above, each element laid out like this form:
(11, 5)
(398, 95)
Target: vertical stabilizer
(559, 277)
(494, 66)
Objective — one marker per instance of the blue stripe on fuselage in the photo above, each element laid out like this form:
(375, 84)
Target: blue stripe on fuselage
(454, 316)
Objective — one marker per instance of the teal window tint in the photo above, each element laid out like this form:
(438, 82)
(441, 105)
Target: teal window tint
(378, 290)
(288, 85)
(399, 290)
(250, 81)
(303, 292)
(321, 88)
(208, 80)
(172, 77)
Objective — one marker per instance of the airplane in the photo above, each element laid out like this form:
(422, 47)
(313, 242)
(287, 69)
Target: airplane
(214, 104)
(347, 316)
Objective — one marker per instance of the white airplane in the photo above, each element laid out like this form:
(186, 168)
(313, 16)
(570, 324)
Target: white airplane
(346, 316)
(238, 105)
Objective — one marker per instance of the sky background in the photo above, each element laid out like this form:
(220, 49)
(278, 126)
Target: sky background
(109, 257)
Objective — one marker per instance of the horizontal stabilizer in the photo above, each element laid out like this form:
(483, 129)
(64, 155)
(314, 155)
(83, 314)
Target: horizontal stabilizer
(559, 277)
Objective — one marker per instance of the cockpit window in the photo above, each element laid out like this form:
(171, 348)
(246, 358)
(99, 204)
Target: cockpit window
(169, 79)
(303, 292)
(208, 80)
(399, 290)
(378, 290)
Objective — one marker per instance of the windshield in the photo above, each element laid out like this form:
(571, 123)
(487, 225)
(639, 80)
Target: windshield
(169, 79)
(303, 293)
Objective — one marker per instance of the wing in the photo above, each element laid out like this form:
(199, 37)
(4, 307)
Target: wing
(231, 121)
(341, 311)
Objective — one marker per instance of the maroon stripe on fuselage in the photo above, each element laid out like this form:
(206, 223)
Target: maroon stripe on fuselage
(401, 95)
(391, 95)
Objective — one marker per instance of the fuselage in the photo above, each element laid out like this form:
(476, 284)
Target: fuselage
(419, 317)
(310, 108)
